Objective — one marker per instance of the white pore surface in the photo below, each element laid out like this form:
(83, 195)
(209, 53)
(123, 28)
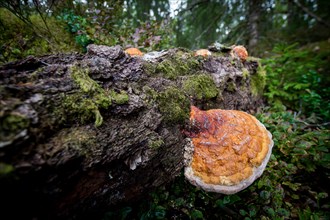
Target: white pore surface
(257, 171)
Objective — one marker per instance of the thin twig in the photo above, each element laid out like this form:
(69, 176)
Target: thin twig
(313, 125)
(36, 4)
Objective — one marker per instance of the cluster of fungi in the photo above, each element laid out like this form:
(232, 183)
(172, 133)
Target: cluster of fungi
(230, 150)
(238, 52)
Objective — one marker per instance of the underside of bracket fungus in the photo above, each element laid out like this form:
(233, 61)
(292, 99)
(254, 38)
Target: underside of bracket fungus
(228, 150)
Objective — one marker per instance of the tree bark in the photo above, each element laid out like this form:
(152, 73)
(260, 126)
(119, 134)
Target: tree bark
(253, 18)
(80, 134)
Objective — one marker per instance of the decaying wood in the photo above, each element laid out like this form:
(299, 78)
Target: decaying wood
(58, 162)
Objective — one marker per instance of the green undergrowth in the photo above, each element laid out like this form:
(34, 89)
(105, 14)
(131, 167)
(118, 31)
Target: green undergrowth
(20, 39)
(299, 78)
(293, 186)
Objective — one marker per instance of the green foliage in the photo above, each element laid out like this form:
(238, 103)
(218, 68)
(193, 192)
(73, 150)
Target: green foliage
(78, 26)
(297, 78)
(148, 35)
(306, 147)
(19, 39)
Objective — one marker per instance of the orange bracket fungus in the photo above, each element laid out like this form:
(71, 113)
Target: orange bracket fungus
(133, 52)
(203, 52)
(228, 150)
(239, 52)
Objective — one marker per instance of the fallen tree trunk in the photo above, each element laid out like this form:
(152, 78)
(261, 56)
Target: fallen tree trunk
(83, 133)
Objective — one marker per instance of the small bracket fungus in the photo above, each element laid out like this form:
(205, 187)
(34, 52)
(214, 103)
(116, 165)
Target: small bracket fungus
(239, 52)
(202, 52)
(231, 150)
(133, 52)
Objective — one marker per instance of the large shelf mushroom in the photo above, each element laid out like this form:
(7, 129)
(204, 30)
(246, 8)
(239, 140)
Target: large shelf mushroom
(228, 150)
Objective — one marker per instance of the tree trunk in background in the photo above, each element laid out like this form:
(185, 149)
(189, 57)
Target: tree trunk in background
(291, 14)
(81, 134)
(253, 19)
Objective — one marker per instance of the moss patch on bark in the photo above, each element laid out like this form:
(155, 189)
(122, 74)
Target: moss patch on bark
(87, 102)
(200, 87)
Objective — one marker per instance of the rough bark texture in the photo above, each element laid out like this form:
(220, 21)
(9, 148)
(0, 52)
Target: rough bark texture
(80, 134)
(255, 8)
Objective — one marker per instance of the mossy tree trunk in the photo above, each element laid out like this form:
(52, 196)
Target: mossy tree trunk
(80, 134)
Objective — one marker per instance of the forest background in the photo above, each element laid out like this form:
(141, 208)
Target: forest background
(292, 38)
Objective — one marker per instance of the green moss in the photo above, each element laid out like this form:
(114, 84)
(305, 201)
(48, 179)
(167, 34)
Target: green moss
(177, 65)
(81, 77)
(200, 87)
(150, 92)
(245, 73)
(151, 95)
(258, 81)
(155, 142)
(12, 124)
(86, 103)
(174, 105)
(120, 98)
(77, 138)
(149, 67)
(5, 169)
(231, 86)
(83, 108)
(253, 59)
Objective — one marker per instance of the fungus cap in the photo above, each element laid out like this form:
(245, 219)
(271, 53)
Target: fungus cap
(240, 52)
(203, 52)
(133, 52)
(230, 150)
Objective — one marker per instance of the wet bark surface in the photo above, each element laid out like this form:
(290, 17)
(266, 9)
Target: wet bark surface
(62, 158)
